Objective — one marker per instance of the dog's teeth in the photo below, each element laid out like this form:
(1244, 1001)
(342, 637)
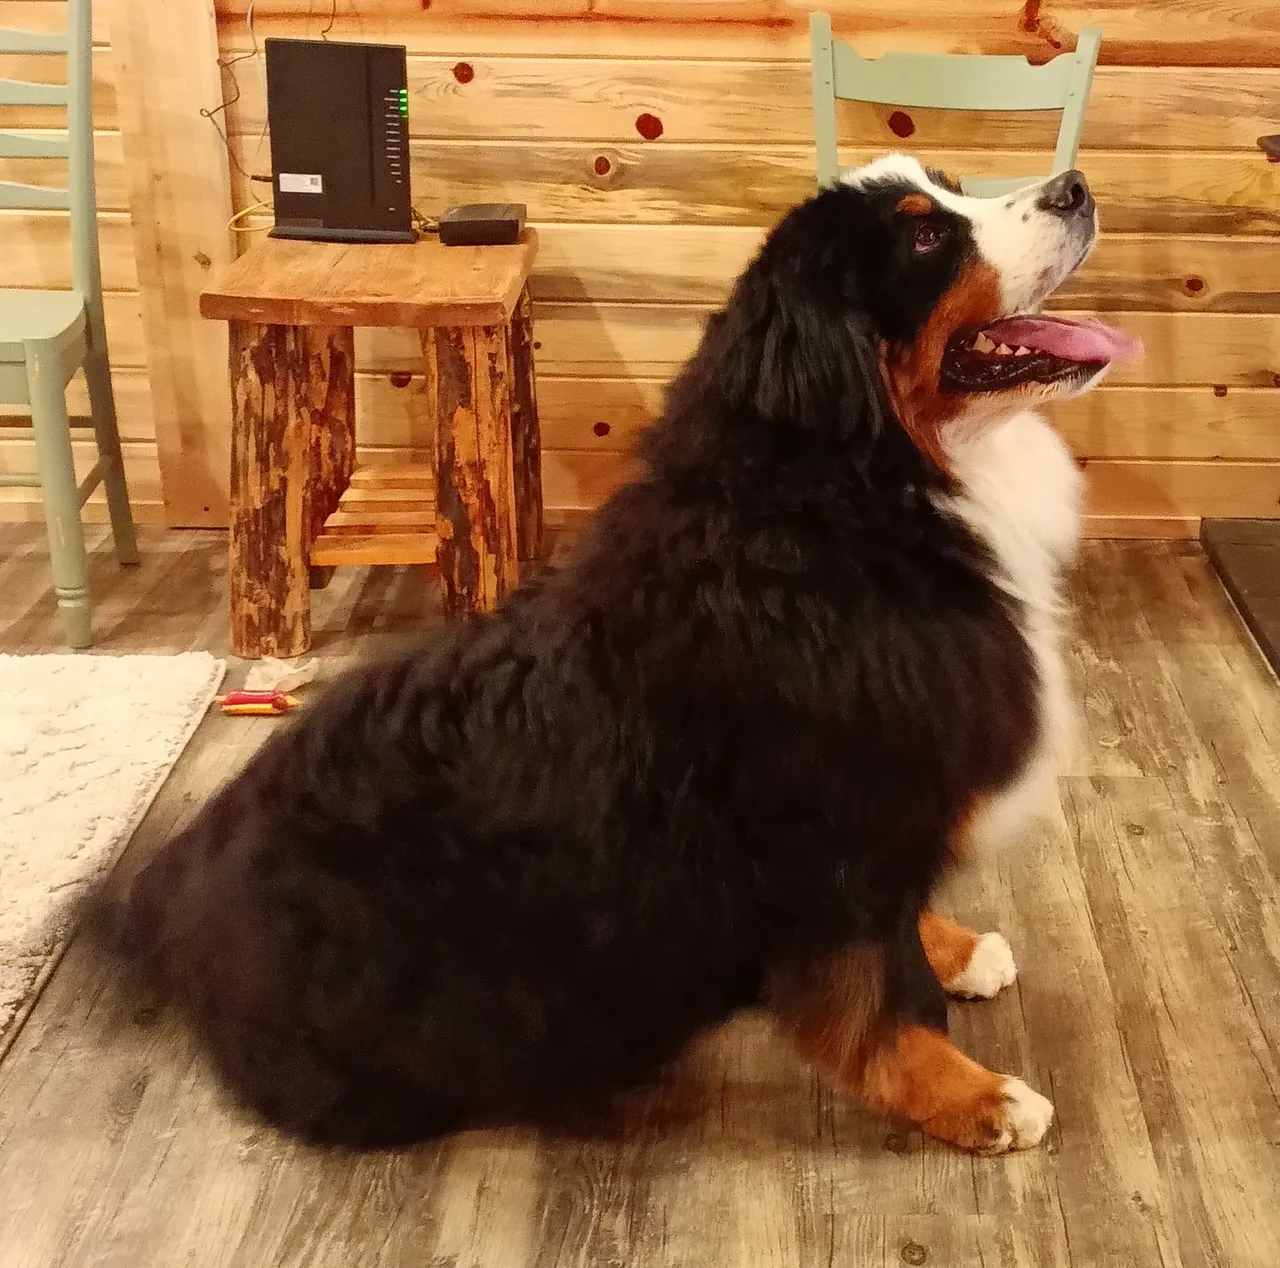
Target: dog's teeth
(1022, 352)
(1004, 350)
(982, 343)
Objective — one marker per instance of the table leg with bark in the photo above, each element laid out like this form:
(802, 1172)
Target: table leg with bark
(526, 435)
(331, 406)
(469, 389)
(292, 451)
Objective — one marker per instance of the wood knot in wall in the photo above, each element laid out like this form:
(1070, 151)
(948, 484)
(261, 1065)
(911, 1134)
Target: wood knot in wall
(649, 126)
(901, 124)
(606, 169)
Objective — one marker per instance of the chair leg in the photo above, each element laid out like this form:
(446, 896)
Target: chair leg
(106, 430)
(58, 490)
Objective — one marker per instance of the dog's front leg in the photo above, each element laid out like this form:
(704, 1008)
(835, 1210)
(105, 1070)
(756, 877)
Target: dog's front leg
(872, 1019)
(969, 965)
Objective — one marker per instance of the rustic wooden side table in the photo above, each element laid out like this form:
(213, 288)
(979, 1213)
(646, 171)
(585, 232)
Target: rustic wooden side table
(299, 504)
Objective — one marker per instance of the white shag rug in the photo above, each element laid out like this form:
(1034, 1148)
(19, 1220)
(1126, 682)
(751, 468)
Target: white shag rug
(85, 743)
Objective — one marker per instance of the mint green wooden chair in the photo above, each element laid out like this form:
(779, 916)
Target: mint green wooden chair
(46, 336)
(951, 81)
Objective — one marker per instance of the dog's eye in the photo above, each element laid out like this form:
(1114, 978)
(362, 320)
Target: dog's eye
(929, 235)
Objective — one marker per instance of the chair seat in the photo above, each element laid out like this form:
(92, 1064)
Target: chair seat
(29, 316)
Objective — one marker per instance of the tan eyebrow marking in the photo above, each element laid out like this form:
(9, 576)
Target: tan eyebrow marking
(939, 177)
(915, 205)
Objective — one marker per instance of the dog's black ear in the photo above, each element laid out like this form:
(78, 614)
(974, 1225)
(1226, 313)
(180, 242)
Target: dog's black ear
(800, 361)
(819, 372)
(792, 359)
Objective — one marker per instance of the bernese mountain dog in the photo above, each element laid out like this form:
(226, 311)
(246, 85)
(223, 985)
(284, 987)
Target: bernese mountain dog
(804, 662)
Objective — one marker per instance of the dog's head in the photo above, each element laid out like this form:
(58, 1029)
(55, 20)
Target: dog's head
(894, 297)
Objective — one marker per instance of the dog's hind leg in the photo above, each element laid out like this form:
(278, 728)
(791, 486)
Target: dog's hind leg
(872, 1019)
(378, 1110)
(281, 1068)
(325, 1101)
(969, 965)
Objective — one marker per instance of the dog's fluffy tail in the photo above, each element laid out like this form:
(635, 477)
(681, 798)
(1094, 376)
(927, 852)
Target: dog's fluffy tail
(124, 916)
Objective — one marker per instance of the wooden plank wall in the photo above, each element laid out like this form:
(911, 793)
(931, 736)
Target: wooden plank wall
(654, 142)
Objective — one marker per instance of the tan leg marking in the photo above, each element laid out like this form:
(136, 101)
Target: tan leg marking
(960, 845)
(947, 946)
(970, 965)
(926, 1078)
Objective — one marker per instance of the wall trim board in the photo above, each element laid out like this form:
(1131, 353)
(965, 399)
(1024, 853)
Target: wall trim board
(180, 200)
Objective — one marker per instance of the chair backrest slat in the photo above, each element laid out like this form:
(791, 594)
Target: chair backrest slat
(17, 197)
(34, 145)
(1079, 86)
(86, 267)
(18, 92)
(12, 41)
(950, 81)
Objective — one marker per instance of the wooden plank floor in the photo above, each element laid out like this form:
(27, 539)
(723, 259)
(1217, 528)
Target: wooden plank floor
(1146, 922)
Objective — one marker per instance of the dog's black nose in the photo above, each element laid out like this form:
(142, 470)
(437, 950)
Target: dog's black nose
(1066, 195)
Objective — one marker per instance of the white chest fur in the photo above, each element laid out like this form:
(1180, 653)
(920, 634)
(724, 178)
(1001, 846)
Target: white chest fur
(1022, 493)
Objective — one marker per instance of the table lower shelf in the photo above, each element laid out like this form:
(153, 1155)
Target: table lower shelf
(387, 515)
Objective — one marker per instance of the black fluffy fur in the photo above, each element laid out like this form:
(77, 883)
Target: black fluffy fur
(528, 860)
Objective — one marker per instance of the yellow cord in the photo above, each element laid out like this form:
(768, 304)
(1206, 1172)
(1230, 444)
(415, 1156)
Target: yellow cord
(236, 227)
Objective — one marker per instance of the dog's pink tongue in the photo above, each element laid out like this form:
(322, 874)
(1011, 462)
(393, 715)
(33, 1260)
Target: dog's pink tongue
(1070, 340)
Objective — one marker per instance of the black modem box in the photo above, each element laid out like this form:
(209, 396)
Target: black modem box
(339, 120)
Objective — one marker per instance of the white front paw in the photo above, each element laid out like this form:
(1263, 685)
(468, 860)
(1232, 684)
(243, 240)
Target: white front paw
(989, 971)
(1027, 1116)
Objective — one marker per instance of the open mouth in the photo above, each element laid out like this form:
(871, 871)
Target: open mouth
(1031, 349)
